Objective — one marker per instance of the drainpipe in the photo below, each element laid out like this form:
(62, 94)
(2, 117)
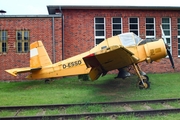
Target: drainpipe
(53, 42)
(62, 32)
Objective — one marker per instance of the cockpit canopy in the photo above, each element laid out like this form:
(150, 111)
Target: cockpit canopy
(129, 39)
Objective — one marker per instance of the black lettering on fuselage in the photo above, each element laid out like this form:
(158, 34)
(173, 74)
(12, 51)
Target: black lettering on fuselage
(71, 64)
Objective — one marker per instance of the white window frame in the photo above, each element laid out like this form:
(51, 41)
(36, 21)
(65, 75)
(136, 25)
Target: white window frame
(120, 23)
(150, 36)
(131, 30)
(178, 24)
(99, 37)
(167, 36)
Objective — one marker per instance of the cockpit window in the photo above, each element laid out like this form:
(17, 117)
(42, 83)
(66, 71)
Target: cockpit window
(129, 39)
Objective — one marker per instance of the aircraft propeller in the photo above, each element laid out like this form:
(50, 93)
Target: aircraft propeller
(167, 48)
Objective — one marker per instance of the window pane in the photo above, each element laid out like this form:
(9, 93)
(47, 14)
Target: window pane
(179, 26)
(19, 47)
(178, 20)
(150, 26)
(168, 40)
(99, 20)
(100, 26)
(99, 40)
(116, 20)
(26, 46)
(178, 40)
(150, 20)
(4, 35)
(116, 32)
(19, 35)
(165, 20)
(133, 20)
(26, 35)
(167, 32)
(133, 26)
(99, 33)
(165, 26)
(3, 47)
(150, 33)
(115, 26)
(179, 46)
(178, 32)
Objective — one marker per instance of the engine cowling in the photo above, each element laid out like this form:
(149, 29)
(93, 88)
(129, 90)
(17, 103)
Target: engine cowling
(155, 50)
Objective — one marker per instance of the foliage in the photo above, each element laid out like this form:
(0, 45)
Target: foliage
(84, 77)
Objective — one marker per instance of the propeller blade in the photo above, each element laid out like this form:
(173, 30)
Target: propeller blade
(170, 58)
(167, 47)
(163, 35)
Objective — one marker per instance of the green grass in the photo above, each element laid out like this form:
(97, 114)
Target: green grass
(72, 90)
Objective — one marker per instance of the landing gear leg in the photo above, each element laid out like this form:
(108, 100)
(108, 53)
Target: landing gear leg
(144, 80)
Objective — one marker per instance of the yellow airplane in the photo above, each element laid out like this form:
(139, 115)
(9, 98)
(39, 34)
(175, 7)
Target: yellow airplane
(117, 52)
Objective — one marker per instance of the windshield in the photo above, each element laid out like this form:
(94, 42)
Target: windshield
(129, 39)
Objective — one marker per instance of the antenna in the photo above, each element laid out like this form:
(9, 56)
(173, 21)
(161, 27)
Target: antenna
(2, 12)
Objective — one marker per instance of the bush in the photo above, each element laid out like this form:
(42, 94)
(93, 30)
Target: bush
(84, 77)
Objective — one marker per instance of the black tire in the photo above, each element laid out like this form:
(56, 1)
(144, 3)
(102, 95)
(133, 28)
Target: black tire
(141, 86)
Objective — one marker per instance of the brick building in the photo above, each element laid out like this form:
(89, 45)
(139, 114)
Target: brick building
(70, 30)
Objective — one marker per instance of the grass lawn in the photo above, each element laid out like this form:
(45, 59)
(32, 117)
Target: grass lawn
(72, 90)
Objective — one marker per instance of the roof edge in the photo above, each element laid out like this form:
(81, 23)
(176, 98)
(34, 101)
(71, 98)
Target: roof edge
(112, 7)
(52, 8)
(30, 16)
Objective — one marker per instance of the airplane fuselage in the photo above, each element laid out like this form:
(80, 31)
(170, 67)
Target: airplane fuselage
(75, 65)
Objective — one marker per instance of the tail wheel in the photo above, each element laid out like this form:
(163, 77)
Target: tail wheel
(47, 81)
(146, 84)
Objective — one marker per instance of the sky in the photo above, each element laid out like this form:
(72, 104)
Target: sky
(39, 7)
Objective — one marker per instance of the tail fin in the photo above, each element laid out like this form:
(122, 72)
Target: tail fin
(38, 55)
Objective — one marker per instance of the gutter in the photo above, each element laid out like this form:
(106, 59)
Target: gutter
(62, 16)
(53, 42)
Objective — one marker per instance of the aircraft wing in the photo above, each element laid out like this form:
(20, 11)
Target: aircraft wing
(15, 71)
(109, 59)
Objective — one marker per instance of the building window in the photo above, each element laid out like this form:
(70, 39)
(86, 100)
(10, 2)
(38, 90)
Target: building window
(99, 26)
(3, 41)
(150, 28)
(166, 25)
(22, 41)
(179, 37)
(116, 26)
(134, 25)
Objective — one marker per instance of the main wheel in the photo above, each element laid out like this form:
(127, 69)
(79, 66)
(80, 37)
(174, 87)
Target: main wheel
(145, 77)
(146, 84)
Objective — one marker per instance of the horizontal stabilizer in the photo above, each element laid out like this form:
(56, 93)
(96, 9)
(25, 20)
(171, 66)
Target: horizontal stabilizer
(15, 71)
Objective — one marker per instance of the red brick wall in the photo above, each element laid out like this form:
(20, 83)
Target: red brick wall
(79, 35)
(39, 29)
(79, 31)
